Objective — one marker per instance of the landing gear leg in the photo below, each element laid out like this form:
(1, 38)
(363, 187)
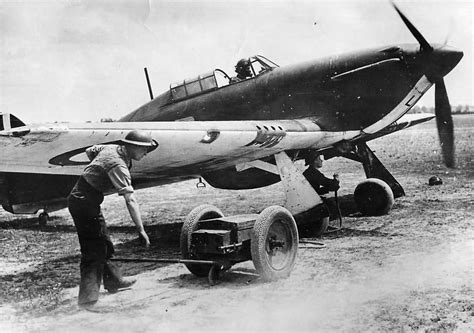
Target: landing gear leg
(306, 206)
(374, 168)
(302, 200)
(375, 195)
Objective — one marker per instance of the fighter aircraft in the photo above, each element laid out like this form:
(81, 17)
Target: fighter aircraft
(250, 133)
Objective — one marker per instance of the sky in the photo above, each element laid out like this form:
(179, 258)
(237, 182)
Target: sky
(83, 60)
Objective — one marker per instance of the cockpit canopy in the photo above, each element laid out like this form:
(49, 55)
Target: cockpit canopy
(260, 64)
(216, 79)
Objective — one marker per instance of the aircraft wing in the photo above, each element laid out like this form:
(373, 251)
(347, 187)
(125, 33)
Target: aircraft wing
(404, 122)
(185, 148)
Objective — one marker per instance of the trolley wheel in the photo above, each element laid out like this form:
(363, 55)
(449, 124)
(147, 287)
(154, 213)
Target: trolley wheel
(43, 218)
(213, 275)
(274, 243)
(203, 212)
(373, 197)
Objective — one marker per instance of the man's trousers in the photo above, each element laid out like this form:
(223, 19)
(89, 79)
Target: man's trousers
(96, 250)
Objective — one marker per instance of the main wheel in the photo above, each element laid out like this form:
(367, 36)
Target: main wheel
(374, 197)
(274, 243)
(203, 212)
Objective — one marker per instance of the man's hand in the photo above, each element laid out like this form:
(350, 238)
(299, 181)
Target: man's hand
(143, 236)
(134, 210)
(336, 181)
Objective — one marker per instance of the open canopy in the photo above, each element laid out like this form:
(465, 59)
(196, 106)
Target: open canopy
(216, 79)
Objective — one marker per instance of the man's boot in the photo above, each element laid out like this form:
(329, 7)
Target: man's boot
(113, 280)
(122, 284)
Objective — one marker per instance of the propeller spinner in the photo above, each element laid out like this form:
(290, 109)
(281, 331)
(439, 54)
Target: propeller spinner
(439, 62)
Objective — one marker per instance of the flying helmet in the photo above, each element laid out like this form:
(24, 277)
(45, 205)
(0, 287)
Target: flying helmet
(243, 67)
(141, 138)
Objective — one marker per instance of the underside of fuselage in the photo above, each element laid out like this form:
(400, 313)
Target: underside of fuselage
(26, 193)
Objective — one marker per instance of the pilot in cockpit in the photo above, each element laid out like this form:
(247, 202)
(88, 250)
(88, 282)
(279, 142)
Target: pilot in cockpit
(243, 71)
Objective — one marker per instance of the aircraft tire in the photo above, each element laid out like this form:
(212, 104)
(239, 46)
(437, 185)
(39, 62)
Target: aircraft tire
(374, 197)
(274, 243)
(202, 212)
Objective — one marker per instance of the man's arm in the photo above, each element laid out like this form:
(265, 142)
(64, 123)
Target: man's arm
(320, 182)
(121, 179)
(330, 184)
(134, 210)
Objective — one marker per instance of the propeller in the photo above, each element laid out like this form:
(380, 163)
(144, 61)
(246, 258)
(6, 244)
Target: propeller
(425, 46)
(444, 118)
(444, 121)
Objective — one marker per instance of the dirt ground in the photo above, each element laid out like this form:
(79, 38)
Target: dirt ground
(411, 270)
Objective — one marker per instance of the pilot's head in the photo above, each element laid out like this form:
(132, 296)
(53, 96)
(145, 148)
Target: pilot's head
(243, 69)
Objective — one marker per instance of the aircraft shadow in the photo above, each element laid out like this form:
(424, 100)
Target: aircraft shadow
(346, 204)
(31, 223)
(349, 208)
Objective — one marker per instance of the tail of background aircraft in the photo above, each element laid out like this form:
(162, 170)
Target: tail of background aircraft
(11, 125)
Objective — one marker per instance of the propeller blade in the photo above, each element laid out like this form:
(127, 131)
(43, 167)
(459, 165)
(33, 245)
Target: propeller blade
(425, 46)
(444, 120)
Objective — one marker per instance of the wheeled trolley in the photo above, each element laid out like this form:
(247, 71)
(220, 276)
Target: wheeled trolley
(211, 242)
(269, 239)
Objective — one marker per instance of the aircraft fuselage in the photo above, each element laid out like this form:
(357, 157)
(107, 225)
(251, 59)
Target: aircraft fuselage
(341, 93)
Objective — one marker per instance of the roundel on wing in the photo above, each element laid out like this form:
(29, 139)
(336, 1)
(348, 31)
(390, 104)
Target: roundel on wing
(74, 157)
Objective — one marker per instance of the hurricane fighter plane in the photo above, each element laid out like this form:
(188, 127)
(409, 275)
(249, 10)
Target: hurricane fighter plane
(248, 133)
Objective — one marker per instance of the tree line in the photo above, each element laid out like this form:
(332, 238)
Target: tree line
(455, 109)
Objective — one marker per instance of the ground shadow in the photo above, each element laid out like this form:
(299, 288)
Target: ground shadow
(235, 278)
(346, 205)
(31, 223)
